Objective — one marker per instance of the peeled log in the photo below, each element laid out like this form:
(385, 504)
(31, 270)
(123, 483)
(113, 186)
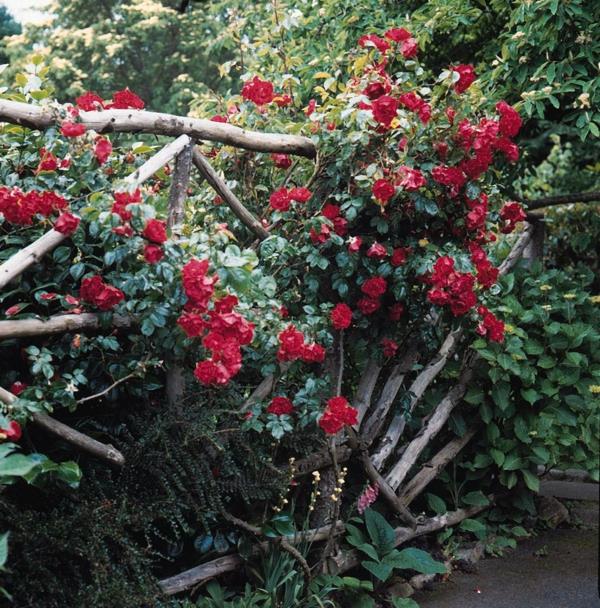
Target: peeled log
(141, 121)
(58, 324)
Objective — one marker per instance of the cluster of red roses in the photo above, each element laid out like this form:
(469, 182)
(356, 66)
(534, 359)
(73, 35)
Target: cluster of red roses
(262, 92)
(511, 213)
(223, 330)
(339, 224)
(490, 326)
(487, 273)
(155, 230)
(406, 44)
(20, 208)
(451, 288)
(12, 432)
(50, 162)
(102, 295)
(281, 199)
(293, 346)
(337, 415)
(89, 102)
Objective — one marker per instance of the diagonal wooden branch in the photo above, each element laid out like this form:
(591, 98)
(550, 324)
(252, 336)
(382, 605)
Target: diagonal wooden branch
(22, 260)
(57, 324)
(70, 435)
(375, 421)
(517, 250)
(431, 469)
(392, 436)
(434, 425)
(366, 386)
(228, 563)
(221, 188)
(136, 121)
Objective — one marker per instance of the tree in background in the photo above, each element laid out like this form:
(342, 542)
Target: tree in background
(8, 27)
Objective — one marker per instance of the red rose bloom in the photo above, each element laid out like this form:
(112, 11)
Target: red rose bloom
(398, 34)
(383, 190)
(198, 286)
(281, 161)
(48, 162)
(490, 326)
(219, 118)
(341, 316)
(300, 195)
(330, 211)
(384, 110)
(126, 99)
(72, 129)
(283, 101)
(153, 253)
(399, 256)
(372, 40)
(95, 291)
(155, 231)
(280, 200)
(466, 77)
(192, 324)
(318, 238)
(89, 102)
(374, 287)
(389, 347)
(12, 432)
(512, 213)
(291, 344)
(354, 244)
(259, 91)
(102, 149)
(368, 305)
(280, 406)
(375, 90)
(313, 353)
(17, 388)
(377, 250)
(411, 179)
(510, 121)
(337, 414)
(66, 223)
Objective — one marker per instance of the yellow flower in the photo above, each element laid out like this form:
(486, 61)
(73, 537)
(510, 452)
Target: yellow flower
(547, 307)
(509, 329)
(595, 389)
(569, 296)
(423, 243)
(545, 287)
(595, 299)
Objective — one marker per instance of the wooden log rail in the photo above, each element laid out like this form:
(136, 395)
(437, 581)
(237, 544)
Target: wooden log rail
(158, 123)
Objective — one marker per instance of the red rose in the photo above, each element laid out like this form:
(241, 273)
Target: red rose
(411, 179)
(17, 388)
(310, 108)
(212, 373)
(66, 223)
(280, 406)
(126, 99)
(89, 102)
(72, 129)
(125, 230)
(318, 238)
(153, 253)
(102, 149)
(399, 256)
(510, 121)
(155, 231)
(198, 286)
(368, 305)
(291, 344)
(48, 162)
(109, 297)
(283, 101)
(383, 190)
(192, 324)
(313, 353)
(372, 40)
(508, 148)
(91, 288)
(384, 110)
(389, 347)
(341, 316)
(490, 326)
(512, 212)
(337, 414)
(466, 77)
(281, 161)
(12, 432)
(330, 211)
(409, 48)
(354, 244)
(374, 287)
(300, 195)
(398, 34)
(376, 89)
(259, 91)
(219, 118)
(280, 200)
(377, 250)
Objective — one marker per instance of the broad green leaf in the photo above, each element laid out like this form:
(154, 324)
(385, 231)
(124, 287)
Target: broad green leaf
(477, 499)
(418, 560)
(381, 532)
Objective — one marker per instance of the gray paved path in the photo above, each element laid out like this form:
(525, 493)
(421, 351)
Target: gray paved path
(567, 577)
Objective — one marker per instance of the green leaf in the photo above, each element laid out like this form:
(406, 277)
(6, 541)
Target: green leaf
(3, 549)
(530, 395)
(419, 560)
(512, 462)
(477, 499)
(498, 456)
(522, 430)
(369, 550)
(404, 602)
(500, 394)
(17, 465)
(473, 525)
(436, 504)
(379, 570)
(381, 532)
(531, 481)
